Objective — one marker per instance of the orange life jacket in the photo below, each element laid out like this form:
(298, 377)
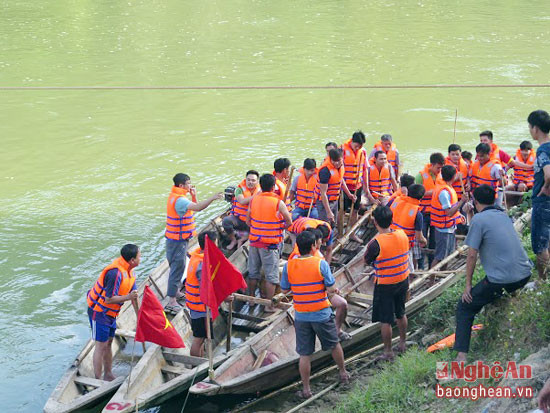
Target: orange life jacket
(404, 211)
(396, 194)
(96, 296)
(438, 217)
(305, 190)
(296, 253)
(307, 284)
(380, 181)
(522, 175)
(461, 168)
(392, 264)
(334, 183)
(480, 175)
(266, 224)
(391, 155)
(280, 190)
(178, 228)
(354, 165)
(240, 210)
(192, 283)
(495, 153)
(429, 184)
(303, 223)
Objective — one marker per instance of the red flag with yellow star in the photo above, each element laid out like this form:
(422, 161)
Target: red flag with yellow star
(152, 324)
(219, 277)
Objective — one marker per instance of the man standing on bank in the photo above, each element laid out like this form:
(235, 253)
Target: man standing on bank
(311, 282)
(539, 126)
(115, 285)
(388, 253)
(180, 227)
(503, 258)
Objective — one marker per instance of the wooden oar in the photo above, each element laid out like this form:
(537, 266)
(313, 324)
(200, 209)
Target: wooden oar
(355, 191)
(288, 184)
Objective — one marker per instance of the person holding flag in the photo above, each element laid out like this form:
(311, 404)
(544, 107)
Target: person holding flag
(312, 283)
(115, 285)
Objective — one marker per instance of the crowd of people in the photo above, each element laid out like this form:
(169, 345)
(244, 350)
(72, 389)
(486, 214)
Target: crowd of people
(416, 218)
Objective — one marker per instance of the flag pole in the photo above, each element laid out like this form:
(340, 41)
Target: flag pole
(209, 340)
(131, 367)
(229, 326)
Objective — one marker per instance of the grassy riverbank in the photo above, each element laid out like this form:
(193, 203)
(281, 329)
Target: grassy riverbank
(514, 328)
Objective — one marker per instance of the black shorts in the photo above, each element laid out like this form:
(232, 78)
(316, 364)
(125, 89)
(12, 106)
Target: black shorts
(306, 331)
(198, 325)
(389, 301)
(357, 204)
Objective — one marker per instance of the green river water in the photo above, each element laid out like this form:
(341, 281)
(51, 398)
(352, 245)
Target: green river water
(85, 171)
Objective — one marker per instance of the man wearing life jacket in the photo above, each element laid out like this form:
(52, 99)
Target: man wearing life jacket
(496, 154)
(281, 171)
(504, 260)
(180, 228)
(197, 309)
(303, 223)
(445, 214)
(236, 221)
(328, 147)
(461, 177)
(355, 161)
(330, 182)
(312, 284)
(267, 218)
(115, 285)
(386, 144)
(408, 218)
(381, 181)
(486, 171)
(429, 177)
(523, 165)
(467, 157)
(302, 191)
(539, 128)
(388, 253)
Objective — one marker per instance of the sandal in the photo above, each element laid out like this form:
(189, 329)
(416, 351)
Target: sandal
(172, 309)
(383, 358)
(344, 336)
(303, 395)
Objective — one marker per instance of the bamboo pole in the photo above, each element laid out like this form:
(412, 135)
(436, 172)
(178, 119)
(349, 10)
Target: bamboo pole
(356, 183)
(229, 327)
(209, 345)
(288, 185)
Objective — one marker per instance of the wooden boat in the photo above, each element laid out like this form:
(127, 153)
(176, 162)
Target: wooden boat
(248, 372)
(78, 388)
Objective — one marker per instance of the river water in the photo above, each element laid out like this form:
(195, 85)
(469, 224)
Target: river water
(85, 171)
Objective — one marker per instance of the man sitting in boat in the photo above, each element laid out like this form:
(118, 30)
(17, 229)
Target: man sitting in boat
(180, 228)
(381, 181)
(503, 258)
(524, 168)
(311, 282)
(193, 301)
(115, 285)
(302, 191)
(497, 155)
(235, 223)
(487, 171)
(267, 218)
(388, 253)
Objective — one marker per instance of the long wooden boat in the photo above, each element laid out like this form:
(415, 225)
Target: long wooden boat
(78, 387)
(243, 374)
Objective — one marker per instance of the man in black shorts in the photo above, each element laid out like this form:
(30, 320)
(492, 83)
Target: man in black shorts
(311, 282)
(388, 253)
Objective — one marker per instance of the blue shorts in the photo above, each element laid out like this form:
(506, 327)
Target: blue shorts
(103, 327)
(540, 226)
(300, 212)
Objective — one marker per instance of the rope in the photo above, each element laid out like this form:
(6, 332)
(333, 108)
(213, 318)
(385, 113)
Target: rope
(279, 87)
(187, 396)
